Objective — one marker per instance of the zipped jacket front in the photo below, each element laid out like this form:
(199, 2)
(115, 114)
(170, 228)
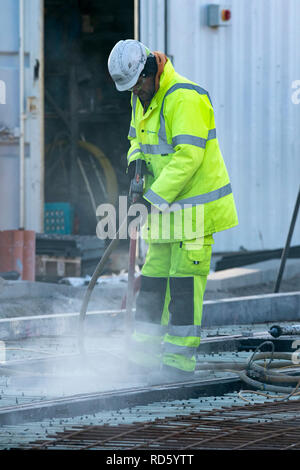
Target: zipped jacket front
(187, 181)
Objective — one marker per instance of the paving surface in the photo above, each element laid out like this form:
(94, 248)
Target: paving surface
(287, 285)
(48, 367)
(256, 274)
(56, 298)
(36, 374)
(264, 426)
(21, 299)
(106, 373)
(20, 435)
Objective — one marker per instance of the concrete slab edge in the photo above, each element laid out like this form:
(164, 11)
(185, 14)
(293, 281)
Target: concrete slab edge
(252, 309)
(251, 275)
(114, 400)
(234, 311)
(12, 290)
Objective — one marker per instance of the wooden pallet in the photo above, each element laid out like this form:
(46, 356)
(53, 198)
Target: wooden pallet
(57, 266)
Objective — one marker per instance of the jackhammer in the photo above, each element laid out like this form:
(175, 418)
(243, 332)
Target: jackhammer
(135, 191)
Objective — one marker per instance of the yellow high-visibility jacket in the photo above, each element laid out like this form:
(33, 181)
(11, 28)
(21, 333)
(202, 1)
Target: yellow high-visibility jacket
(177, 139)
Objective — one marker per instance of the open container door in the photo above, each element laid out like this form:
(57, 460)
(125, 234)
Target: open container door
(21, 134)
(21, 115)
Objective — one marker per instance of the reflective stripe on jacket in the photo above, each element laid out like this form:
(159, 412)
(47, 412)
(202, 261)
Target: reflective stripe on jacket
(177, 138)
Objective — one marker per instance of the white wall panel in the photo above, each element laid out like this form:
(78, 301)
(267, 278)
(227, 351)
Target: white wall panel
(152, 32)
(248, 69)
(10, 115)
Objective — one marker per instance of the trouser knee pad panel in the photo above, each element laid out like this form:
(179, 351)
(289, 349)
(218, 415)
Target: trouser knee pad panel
(181, 306)
(151, 298)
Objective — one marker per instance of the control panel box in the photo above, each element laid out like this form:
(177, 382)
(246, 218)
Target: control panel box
(218, 15)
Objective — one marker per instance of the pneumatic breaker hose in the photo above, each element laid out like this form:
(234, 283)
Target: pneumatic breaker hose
(261, 375)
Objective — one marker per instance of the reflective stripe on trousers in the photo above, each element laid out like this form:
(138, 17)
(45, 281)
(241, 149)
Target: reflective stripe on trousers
(169, 306)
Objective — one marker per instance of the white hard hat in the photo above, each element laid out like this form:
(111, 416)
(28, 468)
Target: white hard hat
(125, 63)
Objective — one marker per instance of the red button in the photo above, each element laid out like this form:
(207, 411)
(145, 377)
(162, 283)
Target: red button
(226, 15)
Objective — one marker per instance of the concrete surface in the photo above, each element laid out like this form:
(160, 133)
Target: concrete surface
(24, 298)
(239, 295)
(253, 309)
(236, 311)
(252, 275)
(19, 435)
(235, 278)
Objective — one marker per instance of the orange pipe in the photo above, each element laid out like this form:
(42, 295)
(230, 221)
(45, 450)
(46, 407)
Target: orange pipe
(29, 256)
(17, 252)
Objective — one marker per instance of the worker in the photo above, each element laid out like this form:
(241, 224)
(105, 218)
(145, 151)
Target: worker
(172, 131)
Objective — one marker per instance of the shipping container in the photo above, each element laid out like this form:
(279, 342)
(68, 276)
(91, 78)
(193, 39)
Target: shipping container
(249, 63)
(251, 69)
(21, 115)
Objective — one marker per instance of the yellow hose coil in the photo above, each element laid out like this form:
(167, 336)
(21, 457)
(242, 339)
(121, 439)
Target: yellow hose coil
(110, 175)
(111, 182)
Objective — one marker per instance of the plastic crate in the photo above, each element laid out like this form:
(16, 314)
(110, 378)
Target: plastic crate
(58, 218)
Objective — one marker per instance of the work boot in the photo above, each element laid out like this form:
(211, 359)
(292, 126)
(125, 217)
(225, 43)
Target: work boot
(177, 374)
(168, 374)
(138, 370)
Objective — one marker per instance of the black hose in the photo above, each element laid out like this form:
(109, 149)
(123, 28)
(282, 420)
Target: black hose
(286, 249)
(275, 355)
(255, 352)
(274, 376)
(136, 189)
(88, 293)
(262, 386)
(260, 372)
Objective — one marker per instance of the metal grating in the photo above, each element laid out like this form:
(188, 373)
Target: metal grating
(272, 426)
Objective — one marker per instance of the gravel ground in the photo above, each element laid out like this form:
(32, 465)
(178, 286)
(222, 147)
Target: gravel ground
(287, 285)
(109, 295)
(106, 296)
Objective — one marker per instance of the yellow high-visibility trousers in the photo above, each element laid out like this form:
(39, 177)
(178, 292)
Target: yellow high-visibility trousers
(169, 304)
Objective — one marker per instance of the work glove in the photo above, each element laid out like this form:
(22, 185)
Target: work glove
(134, 188)
(131, 168)
(146, 203)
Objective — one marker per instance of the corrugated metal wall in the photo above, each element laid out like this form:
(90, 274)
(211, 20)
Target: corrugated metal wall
(9, 115)
(248, 68)
(10, 119)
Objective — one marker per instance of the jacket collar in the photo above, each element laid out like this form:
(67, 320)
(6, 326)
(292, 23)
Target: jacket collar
(165, 79)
